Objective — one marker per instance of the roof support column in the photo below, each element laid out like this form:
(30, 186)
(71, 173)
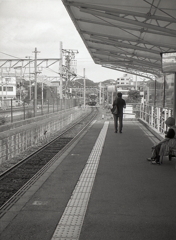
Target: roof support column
(174, 107)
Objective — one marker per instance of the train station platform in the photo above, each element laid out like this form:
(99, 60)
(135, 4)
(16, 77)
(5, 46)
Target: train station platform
(102, 188)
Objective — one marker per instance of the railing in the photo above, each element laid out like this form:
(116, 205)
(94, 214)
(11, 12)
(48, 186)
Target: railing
(12, 111)
(155, 116)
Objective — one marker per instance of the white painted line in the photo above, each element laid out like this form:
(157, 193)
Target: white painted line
(70, 224)
(151, 136)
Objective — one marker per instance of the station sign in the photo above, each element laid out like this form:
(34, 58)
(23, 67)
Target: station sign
(111, 88)
(168, 62)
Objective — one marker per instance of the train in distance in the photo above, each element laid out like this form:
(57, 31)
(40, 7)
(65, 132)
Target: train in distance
(92, 101)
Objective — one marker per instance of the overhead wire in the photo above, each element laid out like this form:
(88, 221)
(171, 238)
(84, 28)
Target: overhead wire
(10, 55)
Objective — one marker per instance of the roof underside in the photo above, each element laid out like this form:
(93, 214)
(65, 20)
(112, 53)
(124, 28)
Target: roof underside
(125, 35)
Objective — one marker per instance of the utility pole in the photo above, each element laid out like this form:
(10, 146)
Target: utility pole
(70, 65)
(2, 85)
(42, 95)
(29, 78)
(100, 93)
(103, 96)
(61, 72)
(29, 81)
(35, 81)
(84, 88)
(136, 82)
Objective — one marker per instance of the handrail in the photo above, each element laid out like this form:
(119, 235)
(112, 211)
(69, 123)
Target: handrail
(155, 116)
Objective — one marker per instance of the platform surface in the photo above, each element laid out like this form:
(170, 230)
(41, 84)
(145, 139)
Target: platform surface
(102, 188)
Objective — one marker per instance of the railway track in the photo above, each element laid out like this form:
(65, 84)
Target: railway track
(15, 181)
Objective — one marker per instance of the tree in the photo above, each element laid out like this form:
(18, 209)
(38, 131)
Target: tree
(133, 96)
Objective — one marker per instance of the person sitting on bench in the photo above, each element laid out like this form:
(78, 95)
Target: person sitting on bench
(155, 158)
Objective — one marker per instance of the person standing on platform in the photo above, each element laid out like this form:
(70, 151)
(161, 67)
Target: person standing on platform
(118, 105)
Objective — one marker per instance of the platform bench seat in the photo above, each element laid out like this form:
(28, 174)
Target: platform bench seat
(168, 149)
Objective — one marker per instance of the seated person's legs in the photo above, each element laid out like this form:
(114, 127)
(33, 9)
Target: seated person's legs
(158, 149)
(155, 153)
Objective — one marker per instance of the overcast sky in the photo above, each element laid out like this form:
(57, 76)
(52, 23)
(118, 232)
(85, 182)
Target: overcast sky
(43, 24)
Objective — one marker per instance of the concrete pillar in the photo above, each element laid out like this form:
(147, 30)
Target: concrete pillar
(152, 113)
(174, 107)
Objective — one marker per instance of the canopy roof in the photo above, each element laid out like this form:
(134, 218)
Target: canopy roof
(126, 35)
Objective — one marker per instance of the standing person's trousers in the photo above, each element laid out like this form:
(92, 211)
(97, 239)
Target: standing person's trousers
(118, 119)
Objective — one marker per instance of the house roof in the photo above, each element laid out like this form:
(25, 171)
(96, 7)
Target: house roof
(125, 35)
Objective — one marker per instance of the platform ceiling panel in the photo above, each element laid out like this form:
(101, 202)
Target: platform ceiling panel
(126, 35)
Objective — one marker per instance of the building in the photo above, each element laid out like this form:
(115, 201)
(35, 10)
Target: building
(125, 80)
(125, 84)
(7, 87)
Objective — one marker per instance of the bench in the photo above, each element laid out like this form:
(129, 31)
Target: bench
(168, 149)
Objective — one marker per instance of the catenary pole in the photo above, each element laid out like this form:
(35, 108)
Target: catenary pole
(35, 82)
(60, 68)
(100, 93)
(84, 88)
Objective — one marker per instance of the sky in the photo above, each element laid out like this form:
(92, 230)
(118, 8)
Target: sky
(43, 24)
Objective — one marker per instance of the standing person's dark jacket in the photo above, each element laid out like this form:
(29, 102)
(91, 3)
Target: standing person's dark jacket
(120, 103)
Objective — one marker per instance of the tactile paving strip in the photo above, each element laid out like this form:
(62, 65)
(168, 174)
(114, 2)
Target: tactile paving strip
(70, 224)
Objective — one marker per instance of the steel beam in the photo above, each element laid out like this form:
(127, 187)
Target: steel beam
(135, 66)
(126, 45)
(122, 27)
(131, 60)
(24, 62)
(121, 11)
(124, 52)
(137, 41)
(119, 52)
(132, 71)
(129, 21)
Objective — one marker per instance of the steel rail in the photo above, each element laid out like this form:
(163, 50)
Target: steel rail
(22, 190)
(42, 148)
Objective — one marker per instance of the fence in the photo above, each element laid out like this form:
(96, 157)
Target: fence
(155, 116)
(13, 110)
(17, 140)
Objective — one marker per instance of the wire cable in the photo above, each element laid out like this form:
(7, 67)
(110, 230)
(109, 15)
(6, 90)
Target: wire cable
(10, 55)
